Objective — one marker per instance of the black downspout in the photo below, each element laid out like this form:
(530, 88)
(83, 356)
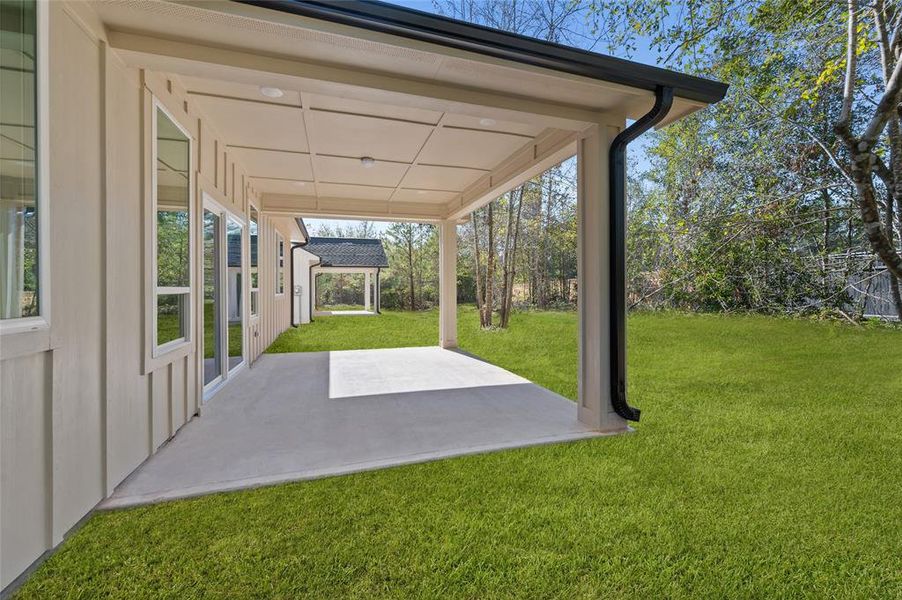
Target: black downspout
(617, 240)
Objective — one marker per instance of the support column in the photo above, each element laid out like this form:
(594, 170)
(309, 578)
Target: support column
(366, 291)
(447, 284)
(594, 405)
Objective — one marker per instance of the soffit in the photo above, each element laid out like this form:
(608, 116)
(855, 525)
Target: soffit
(224, 24)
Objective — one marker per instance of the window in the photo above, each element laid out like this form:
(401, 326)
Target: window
(280, 266)
(172, 230)
(255, 282)
(19, 268)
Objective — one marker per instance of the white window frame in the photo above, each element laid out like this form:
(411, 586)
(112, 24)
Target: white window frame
(280, 264)
(250, 267)
(41, 321)
(157, 350)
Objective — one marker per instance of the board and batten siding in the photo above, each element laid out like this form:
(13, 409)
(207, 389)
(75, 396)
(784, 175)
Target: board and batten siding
(82, 407)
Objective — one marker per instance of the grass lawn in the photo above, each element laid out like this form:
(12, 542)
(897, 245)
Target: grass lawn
(768, 463)
(168, 329)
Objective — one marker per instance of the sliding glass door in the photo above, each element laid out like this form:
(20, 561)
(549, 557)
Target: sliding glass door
(212, 309)
(224, 304)
(236, 289)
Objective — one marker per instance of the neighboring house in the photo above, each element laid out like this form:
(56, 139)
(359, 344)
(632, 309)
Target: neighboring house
(146, 138)
(348, 256)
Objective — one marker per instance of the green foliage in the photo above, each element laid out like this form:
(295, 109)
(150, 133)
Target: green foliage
(412, 250)
(173, 248)
(748, 477)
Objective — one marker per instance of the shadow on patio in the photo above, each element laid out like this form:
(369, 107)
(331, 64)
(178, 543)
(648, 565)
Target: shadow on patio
(306, 415)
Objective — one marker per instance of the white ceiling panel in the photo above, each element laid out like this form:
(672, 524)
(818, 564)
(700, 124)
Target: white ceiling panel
(343, 134)
(468, 148)
(256, 124)
(356, 192)
(271, 163)
(431, 177)
(282, 186)
(332, 169)
(405, 195)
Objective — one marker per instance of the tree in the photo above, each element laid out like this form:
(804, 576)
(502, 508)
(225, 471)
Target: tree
(881, 130)
(413, 258)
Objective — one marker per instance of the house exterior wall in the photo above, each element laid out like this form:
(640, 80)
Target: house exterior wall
(81, 405)
(303, 260)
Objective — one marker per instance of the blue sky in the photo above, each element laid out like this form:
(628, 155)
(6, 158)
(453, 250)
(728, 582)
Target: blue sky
(637, 153)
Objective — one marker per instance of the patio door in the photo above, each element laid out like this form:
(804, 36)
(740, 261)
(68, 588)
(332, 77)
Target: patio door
(212, 309)
(224, 307)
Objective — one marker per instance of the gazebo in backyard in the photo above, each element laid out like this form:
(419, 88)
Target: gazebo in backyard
(348, 256)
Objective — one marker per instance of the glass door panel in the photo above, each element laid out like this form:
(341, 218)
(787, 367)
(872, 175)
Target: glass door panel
(235, 292)
(212, 316)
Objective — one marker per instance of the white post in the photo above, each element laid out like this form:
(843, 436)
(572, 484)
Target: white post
(594, 405)
(447, 284)
(366, 291)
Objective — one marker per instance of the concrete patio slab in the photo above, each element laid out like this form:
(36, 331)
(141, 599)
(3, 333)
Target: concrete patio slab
(307, 415)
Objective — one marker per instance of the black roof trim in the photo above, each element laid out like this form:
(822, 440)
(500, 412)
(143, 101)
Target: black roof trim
(303, 228)
(418, 25)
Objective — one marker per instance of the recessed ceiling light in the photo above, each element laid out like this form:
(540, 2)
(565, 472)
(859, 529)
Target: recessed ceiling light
(486, 122)
(367, 161)
(300, 183)
(271, 92)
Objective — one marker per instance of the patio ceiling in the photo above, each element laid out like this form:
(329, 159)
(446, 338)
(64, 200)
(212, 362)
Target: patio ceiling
(311, 145)
(449, 128)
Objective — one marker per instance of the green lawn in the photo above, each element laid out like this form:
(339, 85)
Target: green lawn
(768, 464)
(168, 329)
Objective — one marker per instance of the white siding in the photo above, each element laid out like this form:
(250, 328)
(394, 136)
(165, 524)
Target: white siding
(78, 417)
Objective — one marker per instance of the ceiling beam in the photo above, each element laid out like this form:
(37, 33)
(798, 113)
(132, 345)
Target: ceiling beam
(547, 150)
(289, 205)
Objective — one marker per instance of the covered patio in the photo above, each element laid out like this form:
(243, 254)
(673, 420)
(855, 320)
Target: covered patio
(306, 415)
(362, 110)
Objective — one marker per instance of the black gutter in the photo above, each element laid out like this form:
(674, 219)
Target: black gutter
(617, 251)
(453, 33)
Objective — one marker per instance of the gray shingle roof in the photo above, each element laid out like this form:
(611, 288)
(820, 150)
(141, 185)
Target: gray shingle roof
(234, 242)
(347, 252)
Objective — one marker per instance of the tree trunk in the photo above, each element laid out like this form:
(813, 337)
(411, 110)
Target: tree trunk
(410, 269)
(489, 303)
(894, 199)
(480, 300)
(893, 279)
(512, 270)
(506, 290)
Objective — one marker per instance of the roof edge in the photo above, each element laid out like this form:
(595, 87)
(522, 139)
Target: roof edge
(303, 228)
(418, 25)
